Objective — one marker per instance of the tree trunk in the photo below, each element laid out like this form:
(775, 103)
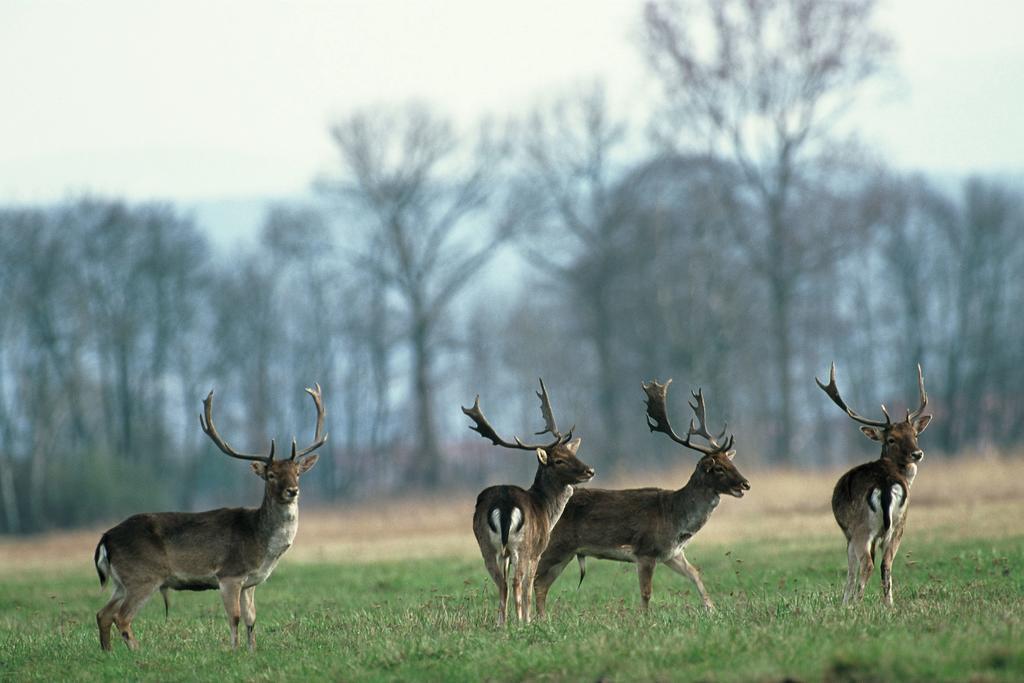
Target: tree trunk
(781, 306)
(427, 464)
(607, 384)
(12, 522)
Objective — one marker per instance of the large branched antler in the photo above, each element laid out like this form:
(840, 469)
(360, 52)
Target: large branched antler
(319, 437)
(833, 393)
(206, 422)
(482, 427)
(657, 419)
(923, 397)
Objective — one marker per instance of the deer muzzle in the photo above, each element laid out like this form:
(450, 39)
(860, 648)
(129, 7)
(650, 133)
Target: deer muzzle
(740, 488)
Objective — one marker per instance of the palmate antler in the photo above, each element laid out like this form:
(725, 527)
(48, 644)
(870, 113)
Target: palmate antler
(833, 393)
(319, 438)
(482, 427)
(657, 420)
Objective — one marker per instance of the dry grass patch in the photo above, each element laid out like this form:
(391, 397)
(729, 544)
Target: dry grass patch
(952, 499)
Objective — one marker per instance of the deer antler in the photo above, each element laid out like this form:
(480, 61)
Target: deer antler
(833, 393)
(924, 396)
(657, 419)
(211, 431)
(319, 438)
(482, 427)
(549, 416)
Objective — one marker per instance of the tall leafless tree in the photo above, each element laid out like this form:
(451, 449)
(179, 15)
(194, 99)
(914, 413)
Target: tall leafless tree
(766, 94)
(573, 156)
(419, 193)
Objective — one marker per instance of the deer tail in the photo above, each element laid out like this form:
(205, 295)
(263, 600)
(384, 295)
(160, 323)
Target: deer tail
(102, 560)
(502, 518)
(887, 504)
(582, 560)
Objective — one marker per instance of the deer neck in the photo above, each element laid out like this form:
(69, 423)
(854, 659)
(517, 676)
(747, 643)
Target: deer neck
(908, 471)
(551, 494)
(278, 521)
(694, 503)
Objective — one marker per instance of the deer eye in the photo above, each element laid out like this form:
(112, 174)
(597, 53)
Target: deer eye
(271, 476)
(891, 440)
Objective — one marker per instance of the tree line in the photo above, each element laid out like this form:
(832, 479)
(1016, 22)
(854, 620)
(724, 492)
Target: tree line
(748, 243)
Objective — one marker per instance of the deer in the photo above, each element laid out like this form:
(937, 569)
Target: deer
(512, 525)
(232, 550)
(646, 526)
(870, 502)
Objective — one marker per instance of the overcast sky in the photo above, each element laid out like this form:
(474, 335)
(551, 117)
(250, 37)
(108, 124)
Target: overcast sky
(189, 100)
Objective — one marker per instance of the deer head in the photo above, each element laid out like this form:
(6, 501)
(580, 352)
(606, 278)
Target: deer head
(556, 459)
(715, 468)
(899, 439)
(281, 476)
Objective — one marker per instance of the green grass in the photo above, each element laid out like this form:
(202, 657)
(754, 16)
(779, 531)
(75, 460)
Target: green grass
(959, 616)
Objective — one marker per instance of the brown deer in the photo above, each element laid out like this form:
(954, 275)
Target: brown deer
(512, 525)
(229, 549)
(650, 525)
(870, 501)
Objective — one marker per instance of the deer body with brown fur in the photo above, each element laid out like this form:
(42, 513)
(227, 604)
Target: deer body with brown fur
(645, 526)
(232, 550)
(870, 502)
(512, 525)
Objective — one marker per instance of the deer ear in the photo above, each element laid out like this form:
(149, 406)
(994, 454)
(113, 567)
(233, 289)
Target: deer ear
(260, 468)
(574, 445)
(542, 456)
(306, 463)
(921, 423)
(873, 433)
(730, 454)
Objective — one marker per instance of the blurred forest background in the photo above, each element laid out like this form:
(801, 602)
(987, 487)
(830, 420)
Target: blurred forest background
(739, 240)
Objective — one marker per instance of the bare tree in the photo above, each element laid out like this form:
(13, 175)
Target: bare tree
(419, 193)
(982, 258)
(766, 95)
(569, 174)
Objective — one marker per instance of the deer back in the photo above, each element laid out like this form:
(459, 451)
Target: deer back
(871, 499)
(186, 547)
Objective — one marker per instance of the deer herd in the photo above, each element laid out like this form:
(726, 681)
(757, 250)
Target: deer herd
(526, 535)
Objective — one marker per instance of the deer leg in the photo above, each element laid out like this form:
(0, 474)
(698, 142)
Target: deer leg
(518, 569)
(530, 579)
(496, 568)
(681, 565)
(230, 593)
(867, 565)
(645, 572)
(549, 569)
(105, 617)
(248, 606)
(135, 597)
(888, 556)
(852, 563)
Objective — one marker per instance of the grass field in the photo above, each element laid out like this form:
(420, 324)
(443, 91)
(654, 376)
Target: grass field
(341, 611)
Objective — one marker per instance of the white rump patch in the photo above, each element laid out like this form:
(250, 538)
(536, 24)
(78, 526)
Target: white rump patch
(875, 517)
(495, 536)
(895, 508)
(103, 562)
(517, 519)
